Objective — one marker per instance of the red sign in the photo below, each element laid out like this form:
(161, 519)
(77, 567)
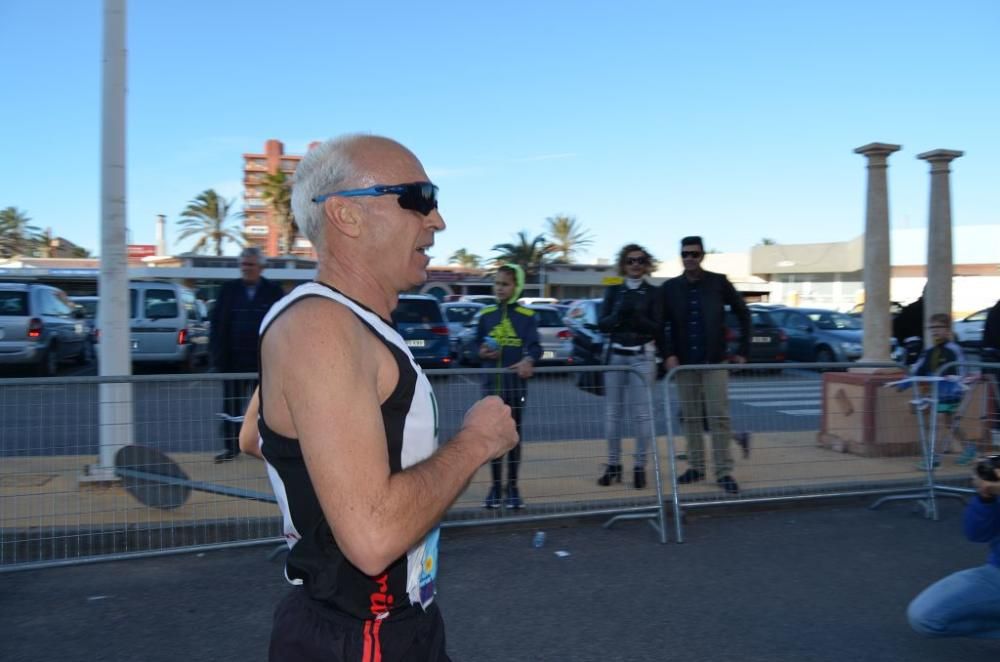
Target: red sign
(139, 251)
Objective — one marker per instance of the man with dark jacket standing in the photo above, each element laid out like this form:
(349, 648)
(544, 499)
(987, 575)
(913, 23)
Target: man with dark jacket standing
(239, 309)
(693, 310)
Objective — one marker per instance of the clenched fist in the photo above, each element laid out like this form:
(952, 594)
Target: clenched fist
(490, 423)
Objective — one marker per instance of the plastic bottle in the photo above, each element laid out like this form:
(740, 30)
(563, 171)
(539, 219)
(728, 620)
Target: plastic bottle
(539, 540)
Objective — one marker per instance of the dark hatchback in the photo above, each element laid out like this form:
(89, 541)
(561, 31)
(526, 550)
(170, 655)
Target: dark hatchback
(768, 342)
(419, 321)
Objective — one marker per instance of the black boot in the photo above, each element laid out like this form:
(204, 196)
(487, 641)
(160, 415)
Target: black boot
(639, 478)
(612, 474)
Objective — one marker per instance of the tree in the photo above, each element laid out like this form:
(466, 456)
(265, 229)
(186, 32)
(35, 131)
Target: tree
(17, 237)
(767, 241)
(465, 259)
(567, 237)
(276, 190)
(529, 254)
(207, 217)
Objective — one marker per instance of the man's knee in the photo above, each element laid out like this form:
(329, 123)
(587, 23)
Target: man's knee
(923, 619)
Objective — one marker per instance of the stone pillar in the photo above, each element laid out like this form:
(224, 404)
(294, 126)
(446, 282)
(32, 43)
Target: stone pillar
(877, 325)
(937, 297)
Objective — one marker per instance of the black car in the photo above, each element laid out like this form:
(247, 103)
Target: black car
(768, 342)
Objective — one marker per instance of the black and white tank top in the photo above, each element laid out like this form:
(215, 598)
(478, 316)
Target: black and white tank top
(409, 415)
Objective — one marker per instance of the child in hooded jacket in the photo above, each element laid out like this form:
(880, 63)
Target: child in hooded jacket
(507, 335)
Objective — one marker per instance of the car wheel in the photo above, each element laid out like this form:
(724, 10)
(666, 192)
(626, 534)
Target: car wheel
(188, 364)
(825, 355)
(49, 365)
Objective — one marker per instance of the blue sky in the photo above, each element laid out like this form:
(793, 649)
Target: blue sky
(644, 120)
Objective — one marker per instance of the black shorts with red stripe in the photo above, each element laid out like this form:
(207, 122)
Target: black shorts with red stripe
(307, 630)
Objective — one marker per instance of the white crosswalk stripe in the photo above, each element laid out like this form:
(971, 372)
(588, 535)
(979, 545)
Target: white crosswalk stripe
(801, 400)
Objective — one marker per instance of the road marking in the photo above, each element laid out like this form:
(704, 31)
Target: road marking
(774, 389)
(771, 396)
(783, 403)
(801, 412)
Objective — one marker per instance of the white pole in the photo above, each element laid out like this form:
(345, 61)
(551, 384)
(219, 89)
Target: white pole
(115, 350)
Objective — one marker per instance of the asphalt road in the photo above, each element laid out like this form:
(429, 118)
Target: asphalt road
(824, 584)
(182, 416)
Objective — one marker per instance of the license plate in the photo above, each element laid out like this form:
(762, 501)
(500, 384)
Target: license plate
(547, 356)
(414, 343)
(761, 339)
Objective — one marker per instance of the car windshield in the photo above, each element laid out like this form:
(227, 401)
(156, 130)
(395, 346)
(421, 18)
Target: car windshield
(460, 314)
(417, 311)
(835, 321)
(13, 303)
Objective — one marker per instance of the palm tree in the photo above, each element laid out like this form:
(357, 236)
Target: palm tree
(567, 237)
(276, 190)
(529, 254)
(16, 236)
(767, 241)
(465, 259)
(207, 217)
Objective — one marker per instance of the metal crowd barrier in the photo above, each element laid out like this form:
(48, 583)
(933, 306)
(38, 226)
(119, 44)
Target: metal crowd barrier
(67, 496)
(972, 422)
(807, 431)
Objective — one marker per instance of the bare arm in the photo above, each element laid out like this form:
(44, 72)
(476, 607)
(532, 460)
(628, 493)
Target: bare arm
(334, 379)
(249, 434)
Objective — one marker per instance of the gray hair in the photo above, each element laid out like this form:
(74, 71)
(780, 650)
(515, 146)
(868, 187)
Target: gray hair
(253, 251)
(324, 169)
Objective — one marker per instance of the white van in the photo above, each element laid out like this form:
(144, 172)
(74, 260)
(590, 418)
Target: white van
(168, 325)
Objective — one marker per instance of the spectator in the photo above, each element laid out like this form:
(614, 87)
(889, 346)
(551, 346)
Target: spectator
(943, 351)
(628, 316)
(967, 603)
(507, 335)
(236, 316)
(693, 309)
(347, 420)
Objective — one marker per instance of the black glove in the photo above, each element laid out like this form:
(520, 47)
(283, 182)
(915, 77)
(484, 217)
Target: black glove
(661, 370)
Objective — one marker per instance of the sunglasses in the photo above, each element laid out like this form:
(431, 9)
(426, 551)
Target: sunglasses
(416, 196)
(694, 254)
(637, 260)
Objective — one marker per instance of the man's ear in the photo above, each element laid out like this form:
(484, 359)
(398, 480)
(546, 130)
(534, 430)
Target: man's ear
(343, 215)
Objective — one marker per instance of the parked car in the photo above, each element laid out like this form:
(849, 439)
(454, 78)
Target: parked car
(457, 314)
(40, 327)
(816, 334)
(168, 325)
(768, 342)
(859, 309)
(554, 336)
(419, 320)
(969, 331)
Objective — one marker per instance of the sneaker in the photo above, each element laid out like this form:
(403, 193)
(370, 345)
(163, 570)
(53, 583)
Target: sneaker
(967, 456)
(513, 500)
(728, 484)
(690, 476)
(493, 498)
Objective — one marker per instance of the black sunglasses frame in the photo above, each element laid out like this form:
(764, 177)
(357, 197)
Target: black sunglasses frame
(420, 197)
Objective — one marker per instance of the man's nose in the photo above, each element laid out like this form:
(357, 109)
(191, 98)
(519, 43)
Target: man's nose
(436, 220)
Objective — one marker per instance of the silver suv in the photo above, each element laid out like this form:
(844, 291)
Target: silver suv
(40, 326)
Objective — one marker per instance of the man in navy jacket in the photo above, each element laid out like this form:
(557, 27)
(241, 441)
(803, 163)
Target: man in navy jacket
(239, 309)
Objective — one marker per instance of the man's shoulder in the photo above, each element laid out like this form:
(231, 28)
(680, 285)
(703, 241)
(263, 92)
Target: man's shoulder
(492, 308)
(527, 312)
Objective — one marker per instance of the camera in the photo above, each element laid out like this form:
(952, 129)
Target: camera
(985, 468)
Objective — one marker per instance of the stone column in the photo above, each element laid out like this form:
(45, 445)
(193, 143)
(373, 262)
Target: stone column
(878, 327)
(937, 297)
